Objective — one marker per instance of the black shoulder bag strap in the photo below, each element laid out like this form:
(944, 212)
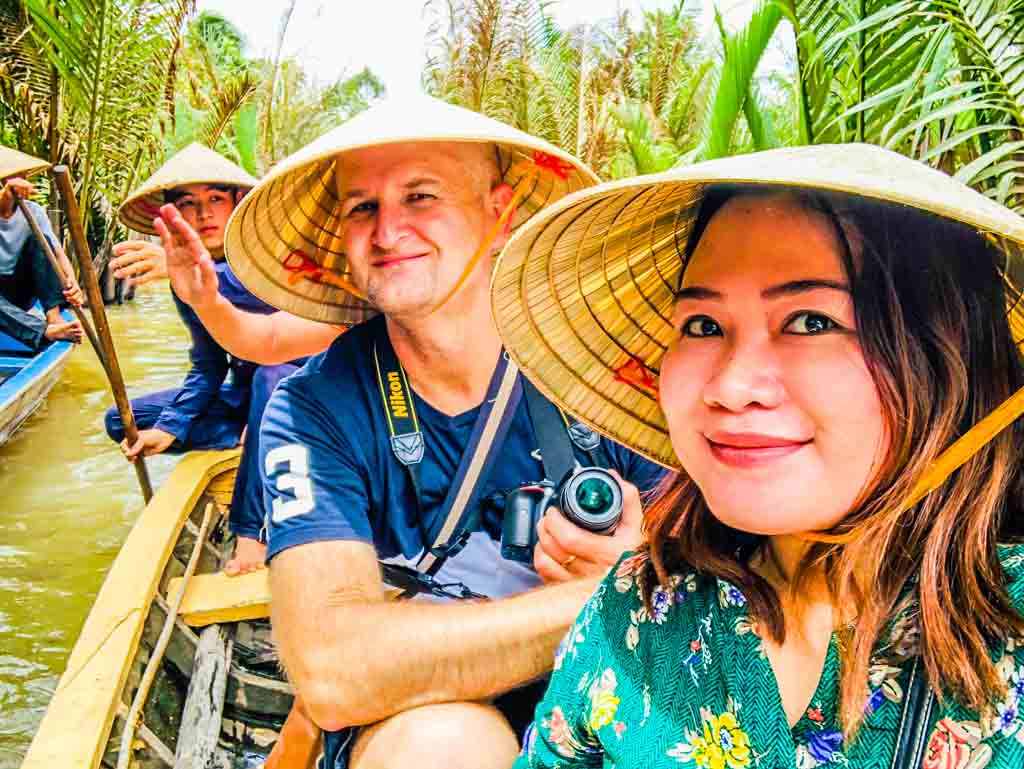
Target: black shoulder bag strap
(556, 435)
(488, 434)
(912, 735)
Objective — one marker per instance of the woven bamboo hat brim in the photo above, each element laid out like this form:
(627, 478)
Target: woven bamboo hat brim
(16, 163)
(195, 164)
(284, 239)
(583, 295)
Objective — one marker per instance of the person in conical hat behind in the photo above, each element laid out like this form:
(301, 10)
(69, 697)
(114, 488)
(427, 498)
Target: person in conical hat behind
(25, 273)
(401, 210)
(222, 395)
(825, 342)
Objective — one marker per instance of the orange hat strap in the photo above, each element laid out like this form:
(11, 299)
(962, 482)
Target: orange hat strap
(531, 170)
(302, 266)
(950, 460)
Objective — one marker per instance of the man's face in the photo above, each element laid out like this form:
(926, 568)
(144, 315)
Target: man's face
(207, 209)
(413, 216)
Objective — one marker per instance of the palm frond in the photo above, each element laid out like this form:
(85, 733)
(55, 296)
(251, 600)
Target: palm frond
(742, 55)
(112, 56)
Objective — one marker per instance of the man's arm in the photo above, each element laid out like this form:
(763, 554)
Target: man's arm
(263, 339)
(355, 659)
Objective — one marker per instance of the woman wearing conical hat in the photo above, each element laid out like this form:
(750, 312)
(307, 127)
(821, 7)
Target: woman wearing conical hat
(824, 341)
(222, 395)
(25, 273)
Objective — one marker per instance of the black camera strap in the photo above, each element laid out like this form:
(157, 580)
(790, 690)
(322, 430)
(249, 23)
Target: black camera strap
(556, 435)
(460, 506)
(551, 428)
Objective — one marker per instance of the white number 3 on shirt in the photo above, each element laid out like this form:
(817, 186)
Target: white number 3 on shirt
(294, 481)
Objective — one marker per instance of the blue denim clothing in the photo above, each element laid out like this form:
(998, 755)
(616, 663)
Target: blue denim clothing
(221, 394)
(207, 379)
(220, 427)
(25, 276)
(247, 514)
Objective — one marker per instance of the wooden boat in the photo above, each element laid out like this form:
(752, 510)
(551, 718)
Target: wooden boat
(26, 378)
(191, 671)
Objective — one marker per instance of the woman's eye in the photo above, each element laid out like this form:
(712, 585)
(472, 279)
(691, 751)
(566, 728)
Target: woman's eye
(701, 325)
(183, 204)
(418, 197)
(810, 323)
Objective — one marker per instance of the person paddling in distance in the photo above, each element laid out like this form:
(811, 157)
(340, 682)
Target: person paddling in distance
(26, 275)
(223, 395)
(364, 446)
(818, 337)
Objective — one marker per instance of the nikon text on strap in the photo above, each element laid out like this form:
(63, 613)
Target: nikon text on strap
(489, 431)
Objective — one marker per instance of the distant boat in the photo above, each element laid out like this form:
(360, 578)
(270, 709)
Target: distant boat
(26, 378)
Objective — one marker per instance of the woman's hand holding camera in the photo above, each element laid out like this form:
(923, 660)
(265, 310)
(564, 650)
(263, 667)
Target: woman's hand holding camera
(565, 551)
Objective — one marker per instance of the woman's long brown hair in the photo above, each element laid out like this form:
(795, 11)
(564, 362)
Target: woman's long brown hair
(930, 307)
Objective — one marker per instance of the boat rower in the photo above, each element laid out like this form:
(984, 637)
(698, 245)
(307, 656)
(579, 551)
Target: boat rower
(25, 274)
(223, 395)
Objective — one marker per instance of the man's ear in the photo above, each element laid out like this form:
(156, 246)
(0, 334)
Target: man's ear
(498, 200)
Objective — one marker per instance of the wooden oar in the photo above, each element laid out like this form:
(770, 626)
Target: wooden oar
(58, 269)
(99, 316)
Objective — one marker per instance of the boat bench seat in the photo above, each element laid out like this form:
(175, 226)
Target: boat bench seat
(212, 598)
(217, 597)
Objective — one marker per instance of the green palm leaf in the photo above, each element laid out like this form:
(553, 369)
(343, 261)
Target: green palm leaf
(734, 94)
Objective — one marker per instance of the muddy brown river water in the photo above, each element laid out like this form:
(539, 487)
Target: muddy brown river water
(67, 500)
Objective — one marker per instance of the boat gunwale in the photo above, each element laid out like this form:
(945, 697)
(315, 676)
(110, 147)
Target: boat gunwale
(78, 721)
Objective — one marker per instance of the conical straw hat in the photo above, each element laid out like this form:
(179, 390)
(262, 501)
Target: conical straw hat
(16, 163)
(284, 239)
(583, 295)
(195, 164)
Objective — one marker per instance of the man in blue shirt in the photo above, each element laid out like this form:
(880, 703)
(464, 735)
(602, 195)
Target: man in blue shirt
(222, 395)
(419, 213)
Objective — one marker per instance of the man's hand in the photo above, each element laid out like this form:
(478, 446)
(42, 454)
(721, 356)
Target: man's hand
(25, 189)
(150, 442)
(565, 551)
(189, 264)
(139, 262)
(74, 295)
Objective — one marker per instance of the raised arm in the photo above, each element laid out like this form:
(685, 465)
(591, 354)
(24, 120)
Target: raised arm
(355, 659)
(263, 339)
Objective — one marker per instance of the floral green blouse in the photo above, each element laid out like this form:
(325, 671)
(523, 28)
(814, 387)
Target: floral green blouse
(688, 684)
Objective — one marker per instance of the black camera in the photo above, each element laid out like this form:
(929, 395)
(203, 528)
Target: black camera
(590, 497)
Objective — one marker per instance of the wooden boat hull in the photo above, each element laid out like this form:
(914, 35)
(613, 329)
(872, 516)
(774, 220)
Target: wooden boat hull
(27, 380)
(83, 724)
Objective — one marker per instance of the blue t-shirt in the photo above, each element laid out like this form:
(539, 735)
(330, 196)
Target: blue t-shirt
(330, 474)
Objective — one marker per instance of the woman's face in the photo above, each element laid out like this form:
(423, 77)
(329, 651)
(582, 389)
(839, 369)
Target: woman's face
(769, 402)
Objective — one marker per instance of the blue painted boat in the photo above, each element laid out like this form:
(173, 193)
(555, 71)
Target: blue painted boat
(26, 378)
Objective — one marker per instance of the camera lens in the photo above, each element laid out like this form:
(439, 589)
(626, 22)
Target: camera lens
(592, 499)
(594, 496)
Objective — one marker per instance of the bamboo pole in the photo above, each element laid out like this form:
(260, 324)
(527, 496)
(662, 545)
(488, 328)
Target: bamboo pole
(61, 275)
(99, 316)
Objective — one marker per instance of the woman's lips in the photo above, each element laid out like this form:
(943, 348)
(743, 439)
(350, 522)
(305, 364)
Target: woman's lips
(751, 449)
